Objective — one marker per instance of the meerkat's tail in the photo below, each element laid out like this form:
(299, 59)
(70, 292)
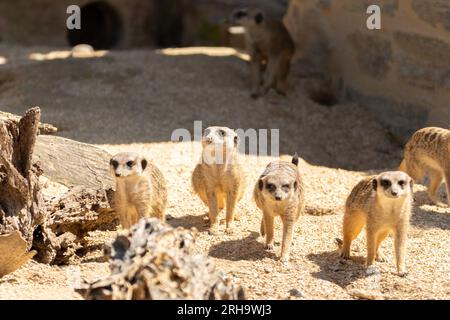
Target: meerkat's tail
(339, 242)
(295, 159)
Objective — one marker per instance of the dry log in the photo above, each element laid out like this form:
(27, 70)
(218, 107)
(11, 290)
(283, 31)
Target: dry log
(155, 261)
(70, 219)
(73, 163)
(20, 196)
(44, 128)
(14, 253)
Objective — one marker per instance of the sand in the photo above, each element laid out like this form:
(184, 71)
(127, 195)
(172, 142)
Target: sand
(134, 100)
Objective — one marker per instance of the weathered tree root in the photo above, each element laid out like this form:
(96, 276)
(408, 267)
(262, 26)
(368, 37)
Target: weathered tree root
(154, 261)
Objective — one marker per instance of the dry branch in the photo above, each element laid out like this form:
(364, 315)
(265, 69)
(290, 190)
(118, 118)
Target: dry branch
(20, 196)
(44, 128)
(154, 261)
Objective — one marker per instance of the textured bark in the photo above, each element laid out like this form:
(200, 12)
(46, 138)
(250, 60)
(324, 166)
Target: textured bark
(155, 261)
(14, 253)
(20, 197)
(70, 219)
(73, 163)
(44, 128)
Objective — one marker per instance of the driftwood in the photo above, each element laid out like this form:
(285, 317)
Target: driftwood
(20, 196)
(73, 163)
(56, 228)
(70, 219)
(154, 261)
(43, 128)
(14, 252)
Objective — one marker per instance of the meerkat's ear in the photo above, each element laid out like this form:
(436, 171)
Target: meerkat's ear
(236, 139)
(260, 184)
(375, 184)
(411, 184)
(143, 164)
(295, 159)
(259, 17)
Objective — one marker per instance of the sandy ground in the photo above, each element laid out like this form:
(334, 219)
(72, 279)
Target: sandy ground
(134, 100)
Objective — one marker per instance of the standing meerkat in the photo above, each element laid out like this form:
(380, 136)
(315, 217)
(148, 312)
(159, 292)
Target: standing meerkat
(219, 179)
(270, 47)
(383, 203)
(140, 188)
(428, 152)
(279, 192)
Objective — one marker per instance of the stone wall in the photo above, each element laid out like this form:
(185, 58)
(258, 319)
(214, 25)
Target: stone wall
(401, 73)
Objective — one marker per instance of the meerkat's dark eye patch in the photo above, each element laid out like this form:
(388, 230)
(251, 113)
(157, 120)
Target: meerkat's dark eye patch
(259, 17)
(271, 187)
(295, 185)
(144, 164)
(240, 14)
(385, 183)
(130, 164)
(114, 163)
(222, 132)
(286, 186)
(401, 183)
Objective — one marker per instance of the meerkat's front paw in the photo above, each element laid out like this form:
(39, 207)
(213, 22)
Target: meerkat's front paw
(284, 261)
(381, 257)
(402, 273)
(213, 229)
(269, 246)
(344, 254)
(229, 230)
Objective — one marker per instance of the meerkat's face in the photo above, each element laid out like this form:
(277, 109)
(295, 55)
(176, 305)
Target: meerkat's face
(277, 188)
(127, 164)
(393, 184)
(220, 136)
(246, 17)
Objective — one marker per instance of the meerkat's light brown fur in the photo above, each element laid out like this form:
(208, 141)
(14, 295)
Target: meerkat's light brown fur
(428, 153)
(270, 47)
(383, 204)
(140, 188)
(219, 178)
(280, 192)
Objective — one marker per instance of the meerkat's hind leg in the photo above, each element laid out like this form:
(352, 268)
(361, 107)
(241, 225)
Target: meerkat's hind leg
(353, 223)
(270, 76)
(281, 77)
(256, 75)
(400, 247)
(436, 178)
(213, 212)
(262, 229)
(288, 230)
(447, 185)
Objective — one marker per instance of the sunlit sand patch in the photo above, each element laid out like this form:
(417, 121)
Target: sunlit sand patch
(64, 54)
(208, 51)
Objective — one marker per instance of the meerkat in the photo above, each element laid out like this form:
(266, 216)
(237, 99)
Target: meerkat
(219, 178)
(270, 47)
(140, 188)
(382, 203)
(280, 192)
(428, 152)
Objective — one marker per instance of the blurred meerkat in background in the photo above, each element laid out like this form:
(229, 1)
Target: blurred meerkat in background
(428, 153)
(270, 47)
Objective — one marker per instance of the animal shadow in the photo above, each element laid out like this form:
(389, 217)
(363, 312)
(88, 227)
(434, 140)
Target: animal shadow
(335, 269)
(248, 248)
(190, 221)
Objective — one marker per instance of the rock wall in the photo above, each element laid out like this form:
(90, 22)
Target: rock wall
(401, 72)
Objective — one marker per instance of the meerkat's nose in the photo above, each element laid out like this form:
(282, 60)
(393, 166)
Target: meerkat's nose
(278, 198)
(117, 174)
(394, 193)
